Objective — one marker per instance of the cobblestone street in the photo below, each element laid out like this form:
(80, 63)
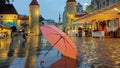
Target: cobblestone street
(93, 53)
(99, 52)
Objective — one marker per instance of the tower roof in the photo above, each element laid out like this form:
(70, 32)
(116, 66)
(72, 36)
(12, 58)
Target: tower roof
(7, 9)
(71, 0)
(34, 2)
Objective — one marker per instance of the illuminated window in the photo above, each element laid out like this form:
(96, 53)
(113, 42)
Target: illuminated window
(14, 16)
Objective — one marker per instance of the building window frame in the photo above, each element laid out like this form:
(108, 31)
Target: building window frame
(107, 2)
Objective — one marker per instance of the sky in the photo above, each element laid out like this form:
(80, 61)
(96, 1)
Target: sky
(49, 9)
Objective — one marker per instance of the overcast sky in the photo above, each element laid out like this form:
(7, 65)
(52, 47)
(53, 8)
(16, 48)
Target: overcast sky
(49, 9)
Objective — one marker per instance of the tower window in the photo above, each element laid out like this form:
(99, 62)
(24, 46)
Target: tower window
(14, 16)
(1, 16)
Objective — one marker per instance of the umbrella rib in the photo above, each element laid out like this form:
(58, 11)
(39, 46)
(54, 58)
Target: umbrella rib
(69, 44)
(53, 46)
(64, 41)
(54, 33)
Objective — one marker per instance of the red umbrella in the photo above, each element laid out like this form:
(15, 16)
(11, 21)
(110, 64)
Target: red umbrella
(64, 62)
(59, 40)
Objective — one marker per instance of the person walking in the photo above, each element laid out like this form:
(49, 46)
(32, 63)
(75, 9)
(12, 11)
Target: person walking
(23, 32)
(24, 35)
(80, 32)
(13, 42)
(13, 32)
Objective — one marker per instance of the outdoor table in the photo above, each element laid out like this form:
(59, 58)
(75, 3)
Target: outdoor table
(98, 34)
(83, 34)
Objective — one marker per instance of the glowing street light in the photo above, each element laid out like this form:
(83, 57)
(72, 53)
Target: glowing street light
(116, 9)
(86, 3)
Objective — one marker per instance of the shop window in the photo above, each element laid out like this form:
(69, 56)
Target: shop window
(116, 22)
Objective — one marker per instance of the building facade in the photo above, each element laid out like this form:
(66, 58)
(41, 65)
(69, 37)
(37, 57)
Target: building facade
(99, 4)
(103, 14)
(7, 14)
(109, 21)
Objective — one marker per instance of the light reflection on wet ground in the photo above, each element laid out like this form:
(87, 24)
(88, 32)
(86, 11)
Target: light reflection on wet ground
(99, 52)
(93, 52)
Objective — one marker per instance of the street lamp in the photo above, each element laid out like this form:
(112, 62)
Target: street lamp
(86, 3)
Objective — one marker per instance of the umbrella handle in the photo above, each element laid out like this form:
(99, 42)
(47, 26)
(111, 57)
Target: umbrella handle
(42, 60)
(52, 47)
(47, 51)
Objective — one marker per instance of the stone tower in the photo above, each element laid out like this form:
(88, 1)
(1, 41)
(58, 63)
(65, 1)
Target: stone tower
(70, 13)
(34, 13)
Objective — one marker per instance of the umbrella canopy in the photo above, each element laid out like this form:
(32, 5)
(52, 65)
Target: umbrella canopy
(59, 40)
(11, 23)
(64, 62)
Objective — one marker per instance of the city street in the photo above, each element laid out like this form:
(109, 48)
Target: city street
(93, 53)
(99, 52)
(65, 34)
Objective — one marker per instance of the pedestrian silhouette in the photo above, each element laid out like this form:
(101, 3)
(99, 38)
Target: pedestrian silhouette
(13, 31)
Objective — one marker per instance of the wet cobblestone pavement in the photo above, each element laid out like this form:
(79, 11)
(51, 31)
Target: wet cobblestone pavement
(99, 52)
(93, 53)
